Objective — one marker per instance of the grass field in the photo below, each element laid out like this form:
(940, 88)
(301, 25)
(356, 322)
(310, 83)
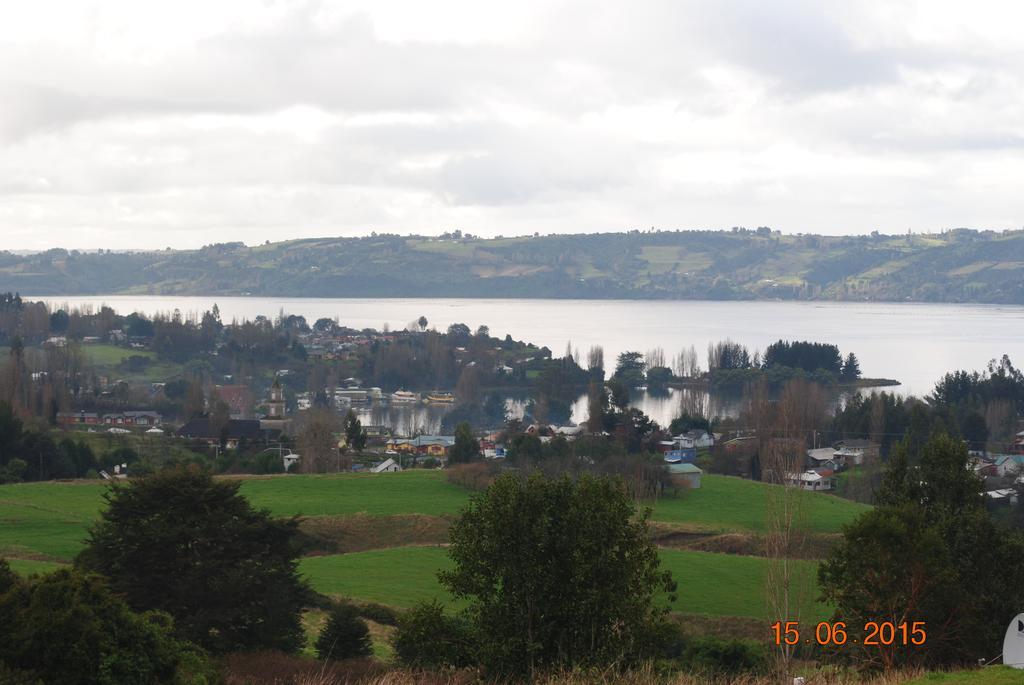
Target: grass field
(408, 492)
(27, 567)
(726, 504)
(714, 584)
(991, 675)
(42, 524)
(106, 356)
(50, 520)
(47, 520)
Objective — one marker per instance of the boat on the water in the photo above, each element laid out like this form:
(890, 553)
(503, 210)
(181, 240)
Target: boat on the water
(438, 397)
(404, 396)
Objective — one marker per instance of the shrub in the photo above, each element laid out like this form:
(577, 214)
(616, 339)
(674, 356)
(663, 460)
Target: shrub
(378, 613)
(559, 574)
(716, 656)
(66, 627)
(427, 637)
(345, 636)
(475, 476)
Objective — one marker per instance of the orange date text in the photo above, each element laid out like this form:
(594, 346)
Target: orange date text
(874, 633)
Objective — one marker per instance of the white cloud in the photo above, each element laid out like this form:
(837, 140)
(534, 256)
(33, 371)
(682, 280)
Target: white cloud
(143, 124)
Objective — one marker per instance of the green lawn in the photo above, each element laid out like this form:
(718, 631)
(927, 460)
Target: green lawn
(991, 675)
(724, 503)
(715, 584)
(104, 354)
(110, 356)
(408, 492)
(27, 567)
(50, 520)
(47, 520)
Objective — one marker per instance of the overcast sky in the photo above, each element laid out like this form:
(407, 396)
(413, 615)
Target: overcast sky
(129, 124)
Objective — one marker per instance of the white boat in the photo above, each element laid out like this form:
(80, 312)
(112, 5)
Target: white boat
(404, 396)
(438, 397)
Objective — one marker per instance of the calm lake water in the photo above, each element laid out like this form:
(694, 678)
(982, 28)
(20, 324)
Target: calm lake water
(911, 342)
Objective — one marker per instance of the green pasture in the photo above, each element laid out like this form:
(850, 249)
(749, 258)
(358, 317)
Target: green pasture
(50, 520)
(714, 584)
(990, 675)
(728, 504)
(106, 356)
(409, 492)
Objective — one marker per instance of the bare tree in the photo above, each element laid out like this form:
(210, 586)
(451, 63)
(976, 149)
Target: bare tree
(800, 412)
(692, 363)
(693, 402)
(595, 357)
(467, 390)
(788, 585)
(655, 357)
(318, 446)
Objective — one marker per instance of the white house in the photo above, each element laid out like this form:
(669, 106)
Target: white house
(811, 480)
(694, 439)
(389, 465)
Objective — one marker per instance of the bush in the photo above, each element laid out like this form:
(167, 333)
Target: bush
(559, 574)
(378, 613)
(191, 546)
(475, 476)
(66, 627)
(345, 636)
(427, 637)
(716, 656)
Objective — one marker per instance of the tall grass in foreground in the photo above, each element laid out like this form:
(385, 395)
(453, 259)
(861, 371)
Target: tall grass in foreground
(410, 678)
(274, 668)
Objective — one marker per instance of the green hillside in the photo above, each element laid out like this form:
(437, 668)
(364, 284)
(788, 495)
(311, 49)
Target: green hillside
(956, 266)
(713, 584)
(49, 521)
(991, 675)
(728, 504)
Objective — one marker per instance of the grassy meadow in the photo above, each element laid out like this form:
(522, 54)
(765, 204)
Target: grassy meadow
(727, 504)
(711, 584)
(43, 525)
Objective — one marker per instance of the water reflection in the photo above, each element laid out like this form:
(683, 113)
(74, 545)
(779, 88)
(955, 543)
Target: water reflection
(660, 405)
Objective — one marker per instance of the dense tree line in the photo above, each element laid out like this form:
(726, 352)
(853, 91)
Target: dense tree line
(928, 552)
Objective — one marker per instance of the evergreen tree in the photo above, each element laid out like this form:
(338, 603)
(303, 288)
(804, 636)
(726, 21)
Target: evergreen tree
(191, 546)
(355, 436)
(345, 636)
(466, 447)
(851, 368)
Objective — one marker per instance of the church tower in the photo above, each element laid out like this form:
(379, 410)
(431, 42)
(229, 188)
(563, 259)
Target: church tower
(275, 405)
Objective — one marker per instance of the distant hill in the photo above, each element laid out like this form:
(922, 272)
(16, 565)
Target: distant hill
(961, 265)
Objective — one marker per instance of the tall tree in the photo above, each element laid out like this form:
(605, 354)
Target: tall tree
(559, 573)
(466, 447)
(355, 435)
(183, 543)
(851, 368)
(318, 446)
(629, 369)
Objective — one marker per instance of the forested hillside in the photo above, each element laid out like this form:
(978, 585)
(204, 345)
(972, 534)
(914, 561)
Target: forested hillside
(956, 266)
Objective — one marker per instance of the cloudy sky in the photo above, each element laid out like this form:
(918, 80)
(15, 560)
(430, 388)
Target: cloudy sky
(128, 124)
